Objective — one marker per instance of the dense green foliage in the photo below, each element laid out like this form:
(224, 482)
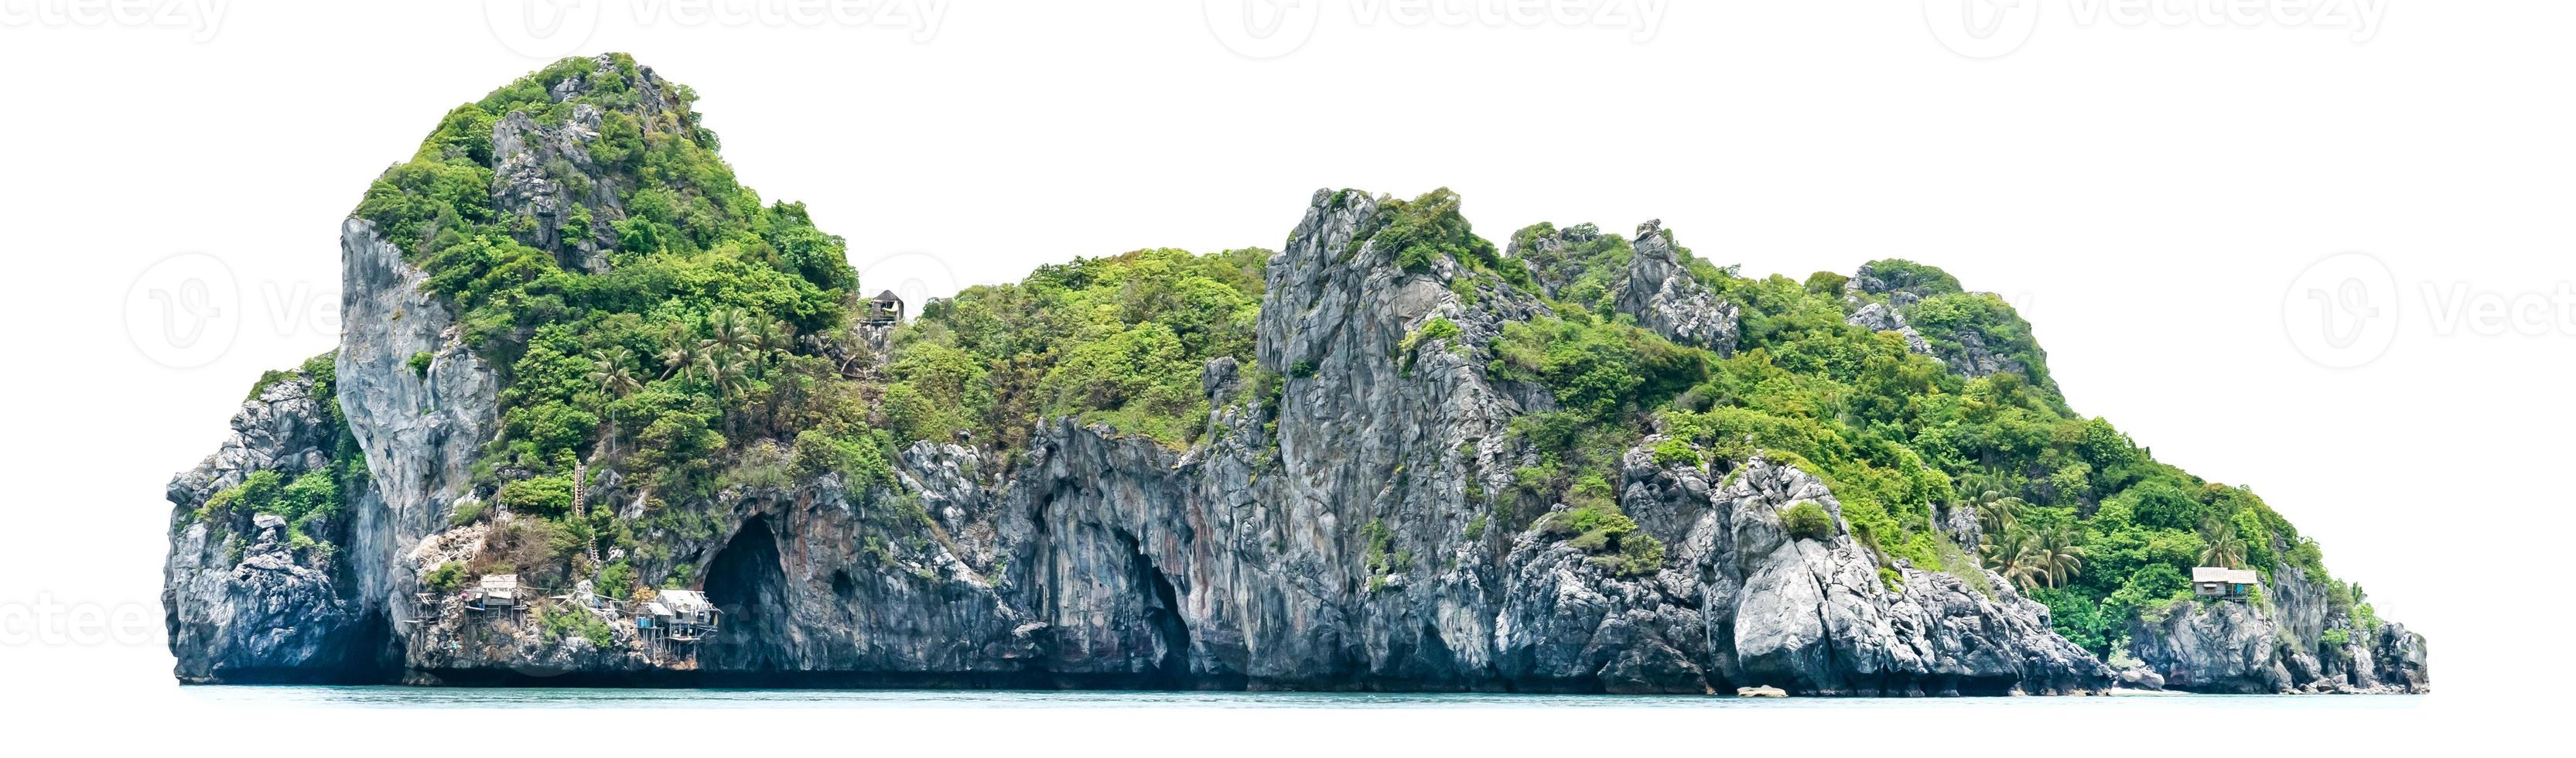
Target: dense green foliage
(1118, 341)
(2076, 513)
(1808, 521)
(2074, 510)
(1429, 228)
(705, 353)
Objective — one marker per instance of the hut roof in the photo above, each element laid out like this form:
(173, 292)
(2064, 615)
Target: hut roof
(500, 586)
(2223, 574)
(886, 296)
(684, 601)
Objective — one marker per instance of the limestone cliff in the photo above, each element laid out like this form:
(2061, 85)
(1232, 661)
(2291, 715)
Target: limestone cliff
(1355, 510)
(1323, 540)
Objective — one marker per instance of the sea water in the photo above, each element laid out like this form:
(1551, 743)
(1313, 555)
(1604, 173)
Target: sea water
(614, 698)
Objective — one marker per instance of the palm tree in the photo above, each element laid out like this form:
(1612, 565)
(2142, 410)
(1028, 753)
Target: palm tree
(2009, 554)
(774, 335)
(2058, 556)
(614, 379)
(764, 342)
(2224, 548)
(1987, 484)
(612, 375)
(721, 371)
(1998, 513)
(729, 330)
(679, 352)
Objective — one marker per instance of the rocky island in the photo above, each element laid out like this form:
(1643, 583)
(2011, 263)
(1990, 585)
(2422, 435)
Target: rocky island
(601, 416)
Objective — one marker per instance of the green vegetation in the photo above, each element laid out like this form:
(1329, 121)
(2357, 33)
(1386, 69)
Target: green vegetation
(716, 348)
(2076, 513)
(557, 622)
(1118, 341)
(1597, 526)
(1808, 521)
(1578, 264)
(310, 502)
(718, 322)
(1673, 452)
(1949, 318)
(446, 579)
(1429, 228)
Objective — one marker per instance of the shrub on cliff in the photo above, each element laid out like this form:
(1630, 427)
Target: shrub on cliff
(1808, 521)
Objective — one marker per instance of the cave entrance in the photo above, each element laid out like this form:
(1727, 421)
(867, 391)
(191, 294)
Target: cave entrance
(748, 581)
(1163, 613)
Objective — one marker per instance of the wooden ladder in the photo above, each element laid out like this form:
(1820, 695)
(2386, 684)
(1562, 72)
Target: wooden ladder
(580, 510)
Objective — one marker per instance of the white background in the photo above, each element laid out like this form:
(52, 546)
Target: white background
(2150, 194)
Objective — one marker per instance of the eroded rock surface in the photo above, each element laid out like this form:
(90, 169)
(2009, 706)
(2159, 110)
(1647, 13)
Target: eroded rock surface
(1336, 527)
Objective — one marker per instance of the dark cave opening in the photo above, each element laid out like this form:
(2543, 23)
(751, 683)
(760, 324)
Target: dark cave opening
(748, 582)
(1163, 613)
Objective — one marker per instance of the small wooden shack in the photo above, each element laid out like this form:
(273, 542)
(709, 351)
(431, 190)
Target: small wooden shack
(497, 592)
(2223, 583)
(685, 615)
(885, 308)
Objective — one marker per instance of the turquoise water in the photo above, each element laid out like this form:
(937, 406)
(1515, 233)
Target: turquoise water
(416, 697)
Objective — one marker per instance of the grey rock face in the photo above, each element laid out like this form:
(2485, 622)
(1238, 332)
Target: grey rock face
(1341, 534)
(2276, 645)
(1815, 617)
(421, 430)
(285, 428)
(1877, 317)
(527, 158)
(2224, 647)
(238, 605)
(1665, 298)
(1897, 293)
(1974, 359)
(545, 172)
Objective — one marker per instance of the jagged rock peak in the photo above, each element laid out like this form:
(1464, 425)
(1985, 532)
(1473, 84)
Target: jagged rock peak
(1666, 297)
(565, 166)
